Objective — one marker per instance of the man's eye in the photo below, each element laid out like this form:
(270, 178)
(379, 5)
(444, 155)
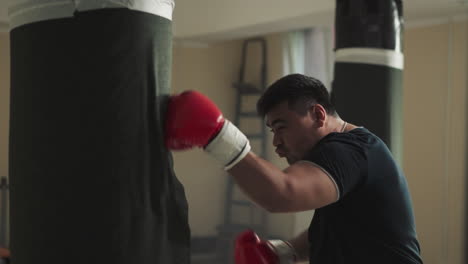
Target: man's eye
(276, 129)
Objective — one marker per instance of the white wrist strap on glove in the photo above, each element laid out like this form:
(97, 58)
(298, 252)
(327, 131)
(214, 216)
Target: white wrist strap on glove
(230, 145)
(284, 251)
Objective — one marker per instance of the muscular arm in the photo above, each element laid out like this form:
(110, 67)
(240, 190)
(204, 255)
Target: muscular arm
(302, 186)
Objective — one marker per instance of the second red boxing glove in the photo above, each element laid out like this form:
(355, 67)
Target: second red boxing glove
(249, 249)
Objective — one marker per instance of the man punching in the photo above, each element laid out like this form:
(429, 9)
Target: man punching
(347, 174)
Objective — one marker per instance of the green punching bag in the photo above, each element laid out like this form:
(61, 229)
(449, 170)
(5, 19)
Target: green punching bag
(91, 180)
(367, 85)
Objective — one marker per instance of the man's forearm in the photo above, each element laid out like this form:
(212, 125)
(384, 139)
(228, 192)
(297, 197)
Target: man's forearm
(301, 245)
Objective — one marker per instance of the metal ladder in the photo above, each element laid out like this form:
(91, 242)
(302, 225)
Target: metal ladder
(257, 218)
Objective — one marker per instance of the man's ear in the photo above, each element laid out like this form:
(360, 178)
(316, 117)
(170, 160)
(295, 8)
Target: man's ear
(318, 114)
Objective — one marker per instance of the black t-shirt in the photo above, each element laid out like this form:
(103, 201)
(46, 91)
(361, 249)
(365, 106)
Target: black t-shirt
(372, 221)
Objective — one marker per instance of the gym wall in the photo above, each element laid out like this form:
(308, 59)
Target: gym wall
(4, 100)
(4, 104)
(210, 70)
(434, 134)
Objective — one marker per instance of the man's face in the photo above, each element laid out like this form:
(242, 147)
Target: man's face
(294, 135)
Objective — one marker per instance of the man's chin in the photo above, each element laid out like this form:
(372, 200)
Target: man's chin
(290, 161)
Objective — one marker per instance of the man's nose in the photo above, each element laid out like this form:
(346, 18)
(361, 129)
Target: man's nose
(276, 140)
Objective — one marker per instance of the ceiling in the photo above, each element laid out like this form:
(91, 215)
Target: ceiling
(213, 20)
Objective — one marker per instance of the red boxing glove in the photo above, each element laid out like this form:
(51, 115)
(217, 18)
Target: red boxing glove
(193, 120)
(249, 249)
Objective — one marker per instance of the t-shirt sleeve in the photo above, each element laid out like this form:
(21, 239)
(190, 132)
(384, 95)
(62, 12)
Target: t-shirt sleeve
(345, 163)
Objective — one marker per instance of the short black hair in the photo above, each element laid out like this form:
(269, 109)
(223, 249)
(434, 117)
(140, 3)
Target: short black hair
(300, 91)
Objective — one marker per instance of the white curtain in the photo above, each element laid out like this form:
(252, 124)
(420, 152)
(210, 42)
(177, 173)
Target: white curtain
(294, 52)
(309, 52)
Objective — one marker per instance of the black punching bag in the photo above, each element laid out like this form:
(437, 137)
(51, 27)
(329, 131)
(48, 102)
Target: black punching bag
(91, 180)
(367, 85)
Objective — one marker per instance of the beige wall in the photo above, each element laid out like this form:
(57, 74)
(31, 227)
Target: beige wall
(210, 70)
(435, 122)
(4, 101)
